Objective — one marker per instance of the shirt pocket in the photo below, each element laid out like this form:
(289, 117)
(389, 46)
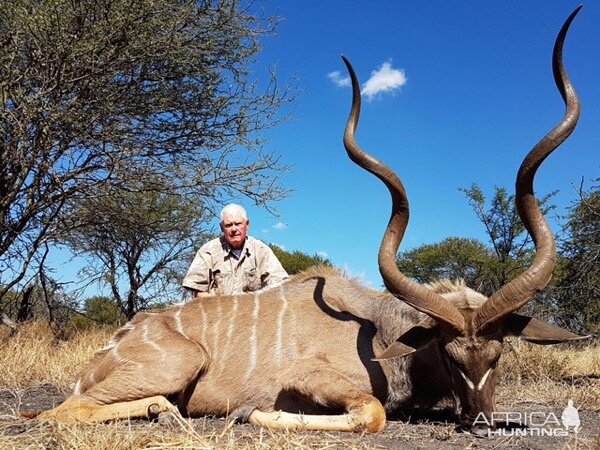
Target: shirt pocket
(219, 281)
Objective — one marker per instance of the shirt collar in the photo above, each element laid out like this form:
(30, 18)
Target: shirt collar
(229, 251)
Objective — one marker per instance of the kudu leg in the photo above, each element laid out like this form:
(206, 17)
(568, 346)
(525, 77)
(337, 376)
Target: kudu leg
(80, 409)
(326, 386)
(134, 380)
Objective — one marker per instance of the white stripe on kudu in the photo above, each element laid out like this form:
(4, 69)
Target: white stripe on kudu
(217, 332)
(178, 323)
(151, 343)
(328, 365)
(230, 329)
(483, 379)
(253, 345)
(280, 324)
(470, 384)
(203, 323)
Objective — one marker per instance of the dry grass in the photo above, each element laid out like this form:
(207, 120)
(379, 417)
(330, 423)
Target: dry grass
(132, 436)
(551, 375)
(33, 356)
(531, 374)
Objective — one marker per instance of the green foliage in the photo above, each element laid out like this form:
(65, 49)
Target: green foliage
(453, 258)
(573, 297)
(297, 261)
(511, 247)
(485, 268)
(136, 242)
(577, 294)
(96, 94)
(98, 311)
(42, 299)
(9, 303)
(504, 229)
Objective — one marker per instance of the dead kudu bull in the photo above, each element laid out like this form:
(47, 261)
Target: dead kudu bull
(321, 352)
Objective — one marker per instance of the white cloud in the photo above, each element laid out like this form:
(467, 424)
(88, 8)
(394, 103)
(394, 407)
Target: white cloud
(384, 79)
(323, 254)
(337, 78)
(280, 226)
(264, 230)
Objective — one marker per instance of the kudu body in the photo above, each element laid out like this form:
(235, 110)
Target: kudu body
(321, 351)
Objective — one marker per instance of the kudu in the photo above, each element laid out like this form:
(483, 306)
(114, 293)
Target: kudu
(322, 352)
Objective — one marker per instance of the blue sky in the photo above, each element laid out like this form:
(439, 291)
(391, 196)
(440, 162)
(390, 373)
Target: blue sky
(472, 92)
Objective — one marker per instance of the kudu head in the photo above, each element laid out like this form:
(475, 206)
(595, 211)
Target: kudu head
(470, 339)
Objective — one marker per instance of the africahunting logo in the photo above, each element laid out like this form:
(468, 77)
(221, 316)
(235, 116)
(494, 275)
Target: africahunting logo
(532, 423)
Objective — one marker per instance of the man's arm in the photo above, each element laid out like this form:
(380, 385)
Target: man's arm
(197, 280)
(272, 272)
(200, 294)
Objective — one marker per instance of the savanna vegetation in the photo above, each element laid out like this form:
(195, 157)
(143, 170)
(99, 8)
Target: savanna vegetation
(33, 360)
(571, 300)
(124, 127)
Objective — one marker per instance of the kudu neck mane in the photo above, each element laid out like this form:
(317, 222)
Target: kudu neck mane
(455, 292)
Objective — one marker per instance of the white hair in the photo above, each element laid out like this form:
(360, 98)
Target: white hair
(232, 207)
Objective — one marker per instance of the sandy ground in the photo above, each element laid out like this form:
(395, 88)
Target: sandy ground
(436, 431)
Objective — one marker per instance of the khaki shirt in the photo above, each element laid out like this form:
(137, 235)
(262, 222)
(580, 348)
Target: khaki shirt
(217, 270)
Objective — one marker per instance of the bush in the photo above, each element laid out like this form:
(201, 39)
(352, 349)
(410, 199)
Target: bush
(98, 311)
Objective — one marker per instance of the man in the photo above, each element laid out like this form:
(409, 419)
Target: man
(235, 262)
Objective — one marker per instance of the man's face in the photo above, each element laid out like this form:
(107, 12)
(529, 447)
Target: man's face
(235, 228)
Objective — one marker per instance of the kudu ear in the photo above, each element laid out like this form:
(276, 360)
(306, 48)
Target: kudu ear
(412, 340)
(537, 331)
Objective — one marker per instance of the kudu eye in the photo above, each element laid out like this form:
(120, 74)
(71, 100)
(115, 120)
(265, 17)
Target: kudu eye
(495, 362)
